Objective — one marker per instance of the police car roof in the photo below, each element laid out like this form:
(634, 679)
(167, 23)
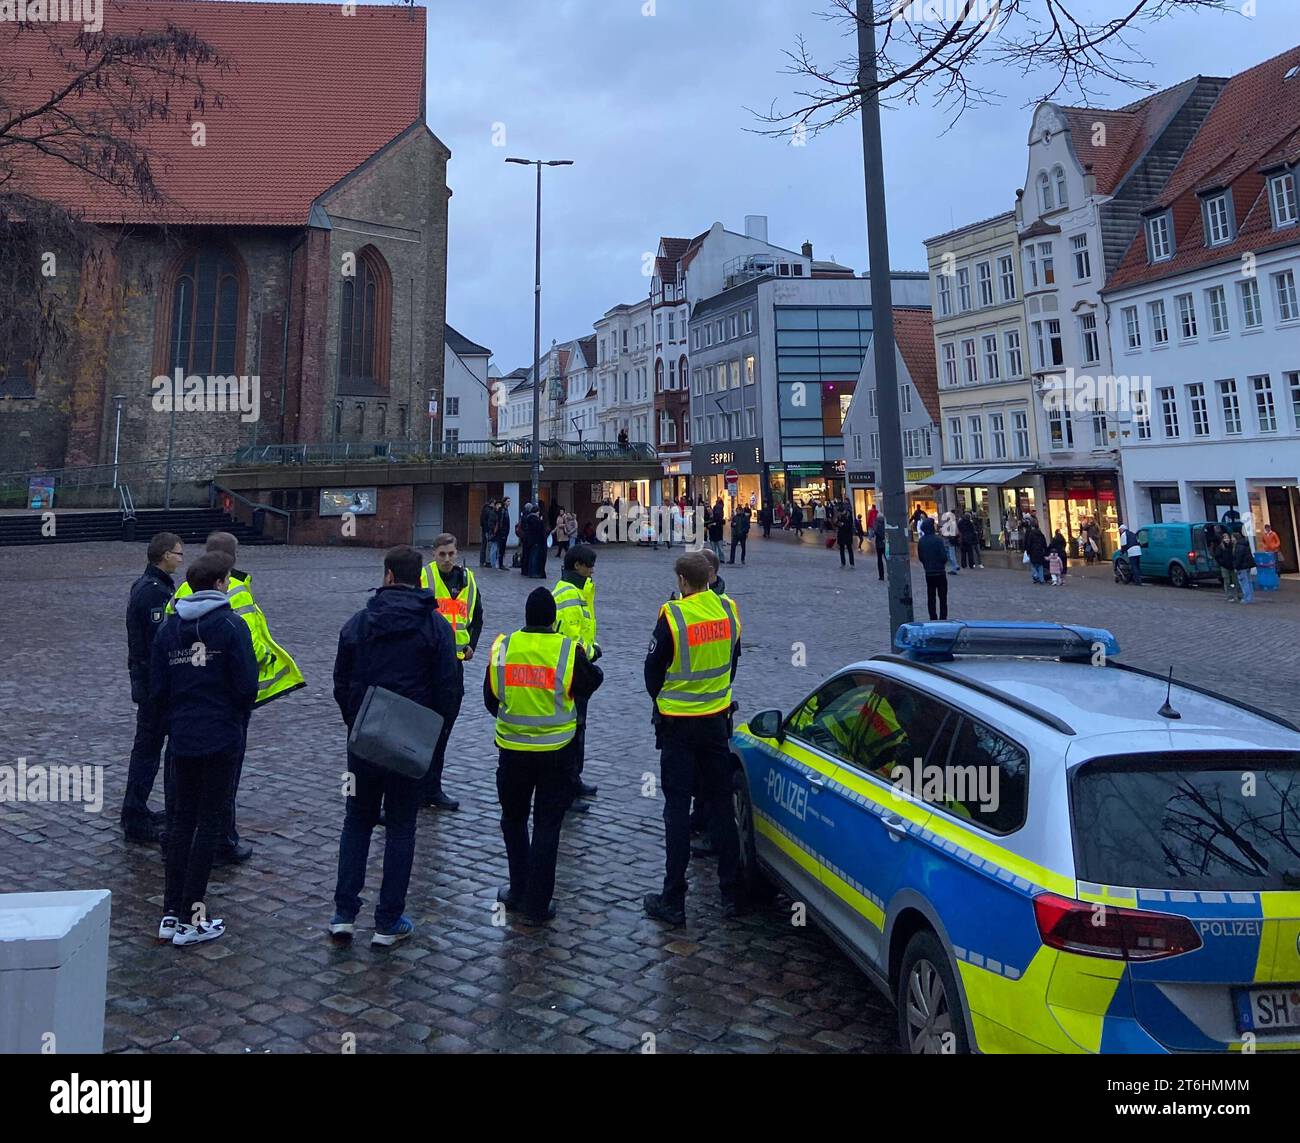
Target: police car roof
(1109, 710)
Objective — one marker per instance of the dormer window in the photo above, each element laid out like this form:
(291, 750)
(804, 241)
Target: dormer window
(1160, 244)
(1044, 191)
(1218, 220)
(1062, 196)
(1282, 199)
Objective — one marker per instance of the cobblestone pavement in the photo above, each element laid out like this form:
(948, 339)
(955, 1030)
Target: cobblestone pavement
(603, 976)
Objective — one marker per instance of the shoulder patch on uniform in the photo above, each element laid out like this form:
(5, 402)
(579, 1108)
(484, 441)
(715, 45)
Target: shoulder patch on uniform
(157, 614)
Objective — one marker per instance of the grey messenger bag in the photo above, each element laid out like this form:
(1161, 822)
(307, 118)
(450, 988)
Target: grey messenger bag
(395, 733)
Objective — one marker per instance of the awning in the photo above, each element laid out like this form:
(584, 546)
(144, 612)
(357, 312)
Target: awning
(998, 475)
(952, 476)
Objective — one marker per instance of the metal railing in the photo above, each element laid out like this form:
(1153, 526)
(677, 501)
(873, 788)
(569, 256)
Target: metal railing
(125, 500)
(93, 485)
(254, 507)
(406, 452)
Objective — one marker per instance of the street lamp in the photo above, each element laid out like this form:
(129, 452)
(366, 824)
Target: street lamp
(118, 400)
(537, 320)
(433, 396)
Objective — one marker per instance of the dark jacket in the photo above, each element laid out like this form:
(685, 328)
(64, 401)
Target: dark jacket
(587, 677)
(1242, 557)
(1036, 546)
(533, 529)
(933, 554)
(715, 528)
(740, 525)
(1225, 554)
(145, 611)
(878, 530)
(503, 524)
(487, 521)
(965, 530)
(844, 531)
(203, 675)
(398, 641)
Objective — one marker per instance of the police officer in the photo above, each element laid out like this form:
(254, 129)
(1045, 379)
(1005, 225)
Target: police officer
(459, 603)
(688, 672)
(277, 673)
(534, 681)
(145, 612)
(575, 605)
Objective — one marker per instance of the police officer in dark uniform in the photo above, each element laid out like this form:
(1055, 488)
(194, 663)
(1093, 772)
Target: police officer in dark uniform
(145, 613)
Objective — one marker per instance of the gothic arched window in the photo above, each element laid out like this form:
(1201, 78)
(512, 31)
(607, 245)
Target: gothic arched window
(205, 298)
(365, 309)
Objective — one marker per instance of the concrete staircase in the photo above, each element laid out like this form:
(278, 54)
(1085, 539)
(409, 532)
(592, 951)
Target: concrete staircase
(78, 527)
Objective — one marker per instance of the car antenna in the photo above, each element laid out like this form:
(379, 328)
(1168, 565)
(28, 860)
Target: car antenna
(1168, 711)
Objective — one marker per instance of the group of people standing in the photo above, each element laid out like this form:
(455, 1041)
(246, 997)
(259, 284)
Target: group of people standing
(538, 527)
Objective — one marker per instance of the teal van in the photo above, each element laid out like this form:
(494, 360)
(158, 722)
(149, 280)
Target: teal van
(1177, 552)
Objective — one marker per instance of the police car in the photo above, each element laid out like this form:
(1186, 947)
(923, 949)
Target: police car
(1033, 848)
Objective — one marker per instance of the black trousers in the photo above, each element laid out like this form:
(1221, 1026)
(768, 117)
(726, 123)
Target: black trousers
(146, 755)
(692, 748)
(741, 542)
(431, 783)
(540, 782)
(967, 555)
(203, 789)
(846, 548)
(936, 589)
(485, 551)
(577, 752)
(880, 559)
(230, 837)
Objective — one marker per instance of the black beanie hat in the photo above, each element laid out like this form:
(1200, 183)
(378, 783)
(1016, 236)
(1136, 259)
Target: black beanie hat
(539, 611)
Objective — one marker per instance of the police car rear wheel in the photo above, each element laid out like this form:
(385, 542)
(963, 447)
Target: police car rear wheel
(930, 1017)
(755, 887)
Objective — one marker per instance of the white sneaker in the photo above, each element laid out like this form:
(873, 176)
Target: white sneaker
(203, 931)
(167, 930)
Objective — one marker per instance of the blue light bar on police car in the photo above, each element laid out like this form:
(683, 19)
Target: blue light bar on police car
(945, 639)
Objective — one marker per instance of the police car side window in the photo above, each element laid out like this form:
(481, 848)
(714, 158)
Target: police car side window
(985, 779)
(899, 729)
(829, 719)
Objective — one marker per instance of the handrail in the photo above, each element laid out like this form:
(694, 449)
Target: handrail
(126, 500)
(419, 453)
(257, 505)
(91, 475)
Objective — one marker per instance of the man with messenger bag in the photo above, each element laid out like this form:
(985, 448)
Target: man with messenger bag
(396, 679)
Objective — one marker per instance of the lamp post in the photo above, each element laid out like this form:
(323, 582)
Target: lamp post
(118, 400)
(433, 396)
(537, 321)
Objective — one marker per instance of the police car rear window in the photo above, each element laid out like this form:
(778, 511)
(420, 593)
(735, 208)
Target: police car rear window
(1189, 821)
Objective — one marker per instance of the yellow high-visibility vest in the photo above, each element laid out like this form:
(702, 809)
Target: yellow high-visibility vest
(277, 673)
(575, 612)
(531, 674)
(705, 628)
(458, 611)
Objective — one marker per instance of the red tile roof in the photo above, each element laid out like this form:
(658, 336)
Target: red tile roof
(1255, 124)
(312, 95)
(914, 336)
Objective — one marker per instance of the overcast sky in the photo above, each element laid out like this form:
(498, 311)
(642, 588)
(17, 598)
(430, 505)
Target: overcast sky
(652, 109)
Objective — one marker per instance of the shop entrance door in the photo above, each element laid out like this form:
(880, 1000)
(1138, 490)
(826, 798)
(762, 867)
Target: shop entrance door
(1280, 502)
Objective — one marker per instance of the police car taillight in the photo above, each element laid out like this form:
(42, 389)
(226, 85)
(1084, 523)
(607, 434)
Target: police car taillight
(1091, 928)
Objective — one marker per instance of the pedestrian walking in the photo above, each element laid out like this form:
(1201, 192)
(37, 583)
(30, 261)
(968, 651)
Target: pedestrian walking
(1054, 566)
(844, 537)
(575, 603)
(1036, 553)
(455, 590)
(966, 540)
(534, 680)
(859, 531)
(1132, 548)
(1061, 548)
(739, 533)
(765, 520)
(932, 553)
(146, 610)
(796, 520)
(690, 677)
(1243, 563)
(398, 641)
(715, 530)
(502, 533)
(203, 680)
(878, 542)
(949, 534)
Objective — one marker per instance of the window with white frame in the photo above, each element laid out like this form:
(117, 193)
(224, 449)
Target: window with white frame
(871, 404)
(1020, 433)
(1006, 277)
(970, 363)
(1088, 341)
(1200, 410)
(1159, 244)
(749, 321)
(749, 369)
(857, 446)
(672, 326)
(948, 352)
(1169, 412)
(1047, 262)
(1186, 316)
(984, 280)
(1265, 410)
(697, 385)
(1230, 403)
(956, 450)
(1141, 414)
(991, 370)
(976, 427)
(1132, 328)
(963, 288)
(1100, 431)
(1282, 199)
(1047, 343)
(1062, 197)
(944, 288)
(451, 437)
(1082, 262)
(1044, 192)
(1060, 428)
(695, 339)
(1285, 296)
(750, 421)
(708, 334)
(659, 329)
(1293, 387)
(1218, 221)
(735, 374)
(904, 398)
(1252, 313)
(453, 406)
(1011, 344)
(709, 428)
(911, 444)
(1159, 324)
(667, 429)
(998, 435)
(699, 430)
(1216, 302)
(875, 446)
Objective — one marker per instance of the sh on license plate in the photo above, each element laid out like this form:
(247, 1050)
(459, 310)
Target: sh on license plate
(1268, 1009)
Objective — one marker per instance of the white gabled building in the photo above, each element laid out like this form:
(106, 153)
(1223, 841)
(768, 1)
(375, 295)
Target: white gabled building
(624, 398)
(466, 393)
(1205, 307)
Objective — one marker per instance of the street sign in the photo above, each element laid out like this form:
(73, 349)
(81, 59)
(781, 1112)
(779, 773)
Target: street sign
(732, 477)
(433, 408)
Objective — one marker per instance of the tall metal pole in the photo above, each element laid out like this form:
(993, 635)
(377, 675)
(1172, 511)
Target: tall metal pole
(537, 350)
(892, 475)
(171, 444)
(117, 435)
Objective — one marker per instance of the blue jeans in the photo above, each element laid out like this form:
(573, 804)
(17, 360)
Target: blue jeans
(1038, 570)
(399, 797)
(1245, 584)
(952, 554)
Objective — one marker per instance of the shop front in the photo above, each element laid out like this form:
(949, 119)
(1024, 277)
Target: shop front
(806, 483)
(1077, 500)
(676, 482)
(997, 499)
(710, 465)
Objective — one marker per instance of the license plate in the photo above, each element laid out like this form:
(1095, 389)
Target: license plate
(1273, 1009)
